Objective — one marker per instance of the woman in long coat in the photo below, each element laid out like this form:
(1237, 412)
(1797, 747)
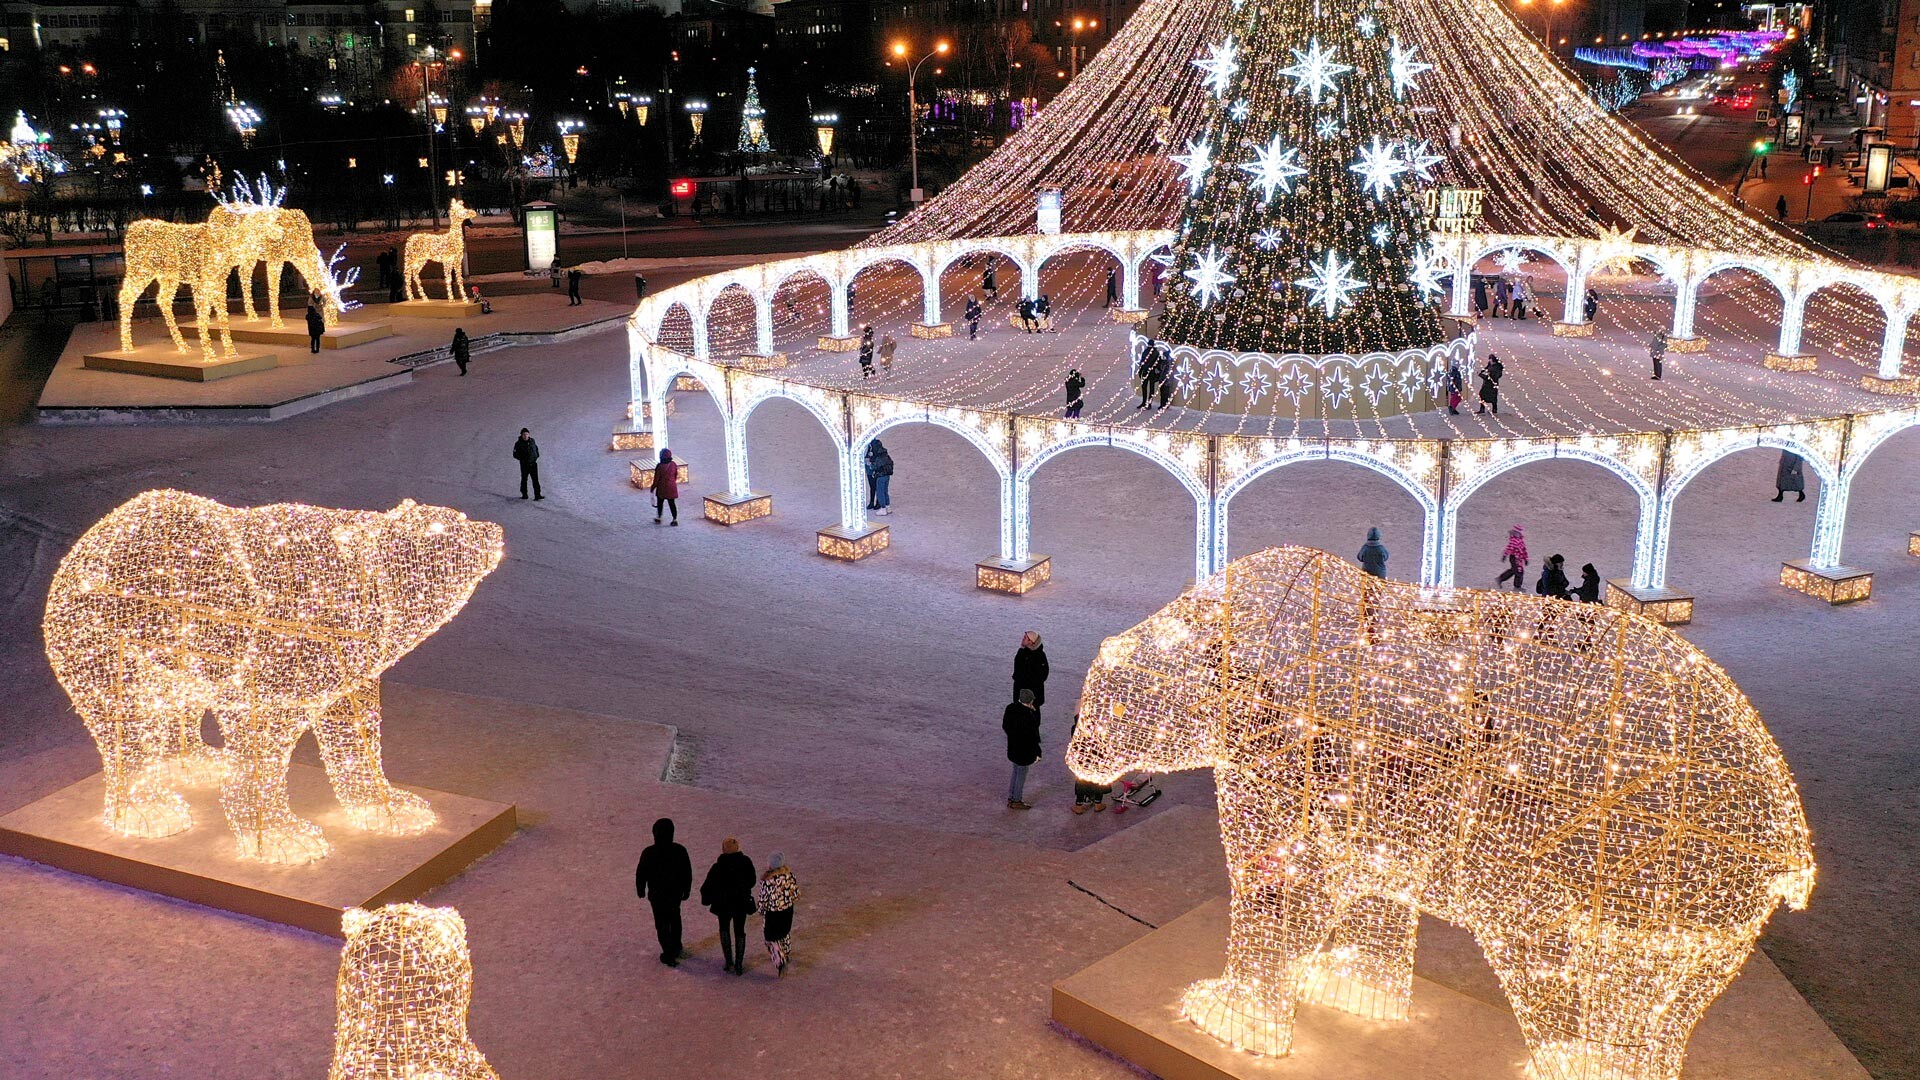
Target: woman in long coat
(1790, 475)
(728, 893)
(776, 895)
(666, 487)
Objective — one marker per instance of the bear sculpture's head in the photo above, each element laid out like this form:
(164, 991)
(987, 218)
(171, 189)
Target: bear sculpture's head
(425, 562)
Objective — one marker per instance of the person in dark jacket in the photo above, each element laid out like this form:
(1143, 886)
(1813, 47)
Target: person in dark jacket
(728, 893)
(1043, 312)
(666, 487)
(1021, 722)
(462, 349)
(639, 286)
(1086, 793)
(527, 453)
(1113, 286)
(1456, 383)
(1165, 369)
(879, 475)
(316, 325)
(1657, 351)
(573, 287)
(1030, 668)
(866, 353)
(973, 318)
(664, 879)
(1373, 555)
(1593, 304)
(1026, 315)
(988, 283)
(1553, 578)
(1076, 391)
(1149, 371)
(1490, 384)
(1588, 591)
(1790, 475)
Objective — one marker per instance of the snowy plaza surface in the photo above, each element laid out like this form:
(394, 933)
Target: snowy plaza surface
(847, 715)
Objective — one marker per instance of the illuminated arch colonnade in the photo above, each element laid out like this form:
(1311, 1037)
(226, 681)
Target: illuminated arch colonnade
(1440, 474)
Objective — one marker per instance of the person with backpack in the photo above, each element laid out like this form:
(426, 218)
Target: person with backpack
(666, 487)
(879, 473)
(1553, 578)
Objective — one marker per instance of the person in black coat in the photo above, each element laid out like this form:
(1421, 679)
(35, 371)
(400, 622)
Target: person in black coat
(973, 318)
(1790, 475)
(1490, 384)
(664, 879)
(527, 453)
(1026, 315)
(462, 349)
(866, 352)
(1021, 722)
(728, 893)
(1588, 591)
(1149, 371)
(573, 287)
(1076, 393)
(316, 325)
(1030, 668)
(1553, 578)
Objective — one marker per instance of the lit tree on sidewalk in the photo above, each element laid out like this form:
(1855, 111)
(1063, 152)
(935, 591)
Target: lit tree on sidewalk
(1304, 230)
(753, 121)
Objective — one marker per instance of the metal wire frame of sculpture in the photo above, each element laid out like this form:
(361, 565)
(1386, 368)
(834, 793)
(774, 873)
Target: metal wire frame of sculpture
(449, 249)
(277, 619)
(406, 982)
(1582, 789)
(198, 256)
(293, 245)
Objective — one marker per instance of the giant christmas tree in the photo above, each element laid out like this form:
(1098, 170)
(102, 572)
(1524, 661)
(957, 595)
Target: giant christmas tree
(753, 121)
(1304, 230)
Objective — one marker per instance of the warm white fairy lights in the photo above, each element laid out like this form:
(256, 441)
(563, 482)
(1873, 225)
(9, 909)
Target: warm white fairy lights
(448, 248)
(170, 255)
(1221, 65)
(1195, 163)
(1583, 790)
(291, 244)
(277, 619)
(406, 982)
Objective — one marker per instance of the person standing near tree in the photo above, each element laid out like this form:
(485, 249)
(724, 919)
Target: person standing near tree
(1790, 475)
(527, 453)
(1149, 371)
(1490, 377)
(728, 893)
(1076, 389)
(1657, 351)
(1515, 554)
(973, 318)
(1166, 380)
(1456, 382)
(1373, 554)
(664, 879)
(1021, 722)
(462, 349)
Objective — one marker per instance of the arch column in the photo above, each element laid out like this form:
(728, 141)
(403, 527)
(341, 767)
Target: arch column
(1130, 281)
(929, 297)
(1822, 575)
(1786, 355)
(1029, 282)
(1830, 522)
(763, 325)
(1436, 548)
(842, 311)
(1576, 307)
(1893, 344)
(1460, 305)
(1686, 295)
(700, 351)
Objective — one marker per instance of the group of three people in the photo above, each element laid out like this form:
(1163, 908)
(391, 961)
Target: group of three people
(731, 890)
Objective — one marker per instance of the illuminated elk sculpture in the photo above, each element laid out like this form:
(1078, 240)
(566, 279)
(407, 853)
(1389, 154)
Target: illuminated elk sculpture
(1580, 788)
(200, 257)
(449, 249)
(292, 245)
(276, 618)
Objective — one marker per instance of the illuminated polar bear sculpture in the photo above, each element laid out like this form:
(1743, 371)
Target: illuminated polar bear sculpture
(277, 619)
(406, 980)
(1580, 788)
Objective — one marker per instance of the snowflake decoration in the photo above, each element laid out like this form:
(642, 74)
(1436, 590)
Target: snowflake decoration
(1313, 71)
(1336, 387)
(1376, 384)
(1327, 127)
(1512, 261)
(1209, 275)
(1427, 270)
(1195, 163)
(1331, 284)
(1377, 167)
(1255, 385)
(1294, 385)
(1221, 65)
(1420, 158)
(1368, 27)
(1269, 239)
(1273, 169)
(1381, 234)
(1239, 111)
(1403, 67)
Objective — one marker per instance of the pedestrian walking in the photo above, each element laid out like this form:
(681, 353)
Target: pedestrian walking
(1076, 390)
(776, 894)
(664, 879)
(1657, 351)
(527, 453)
(1113, 286)
(866, 352)
(1480, 295)
(1456, 382)
(988, 282)
(879, 475)
(1592, 305)
(1490, 377)
(1553, 578)
(316, 325)
(1373, 554)
(1588, 591)
(887, 347)
(639, 286)
(1790, 475)
(573, 286)
(1502, 297)
(973, 318)
(728, 893)
(462, 349)
(1030, 668)
(1165, 365)
(1763, 168)
(1780, 208)
(1021, 722)
(666, 487)
(1026, 314)
(1520, 300)
(1149, 371)
(1515, 555)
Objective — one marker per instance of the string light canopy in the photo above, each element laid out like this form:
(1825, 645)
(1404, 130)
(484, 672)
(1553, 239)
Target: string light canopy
(406, 982)
(277, 619)
(1581, 788)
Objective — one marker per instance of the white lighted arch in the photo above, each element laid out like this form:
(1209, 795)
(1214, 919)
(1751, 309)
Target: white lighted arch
(953, 253)
(1537, 245)
(1429, 508)
(663, 368)
(1793, 316)
(995, 455)
(1023, 490)
(1827, 527)
(1722, 263)
(1644, 531)
(825, 407)
(880, 257)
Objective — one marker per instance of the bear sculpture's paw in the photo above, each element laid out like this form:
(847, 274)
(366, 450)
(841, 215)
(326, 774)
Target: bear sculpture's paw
(1339, 980)
(1240, 1016)
(288, 841)
(149, 815)
(396, 813)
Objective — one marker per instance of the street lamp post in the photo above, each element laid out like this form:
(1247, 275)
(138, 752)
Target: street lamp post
(1079, 25)
(1548, 6)
(917, 196)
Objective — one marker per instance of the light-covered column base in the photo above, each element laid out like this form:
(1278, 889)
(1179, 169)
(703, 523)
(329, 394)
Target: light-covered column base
(1016, 577)
(1124, 315)
(1573, 329)
(646, 410)
(1686, 344)
(1834, 584)
(839, 542)
(1667, 606)
(632, 437)
(932, 330)
(725, 509)
(769, 361)
(829, 343)
(1791, 361)
(1039, 322)
(688, 382)
(641, 473)
(1899, 385)
(1913, 544)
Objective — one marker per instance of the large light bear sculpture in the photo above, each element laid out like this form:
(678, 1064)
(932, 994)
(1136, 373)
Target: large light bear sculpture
(276, 618)
(1580, 788)
(406, 981)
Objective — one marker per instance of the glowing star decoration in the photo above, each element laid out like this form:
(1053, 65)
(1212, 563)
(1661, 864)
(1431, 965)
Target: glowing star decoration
(1330, 284)
(1221, 65)
(1195, 163)
(1377, 167)
(1327, 127)
(1368, 26)
(406, 983)
(290, 245)
(1269, 239)
(1240, 110)
(1581, 789)
(169, 255)
(1427, 270)
(1403, 67)
(1313, 72)
(1336, 387)
(449, 249)
(1209, 275)
(277, 619)
(1512, 261)
(1420, 158)
(1274, 169)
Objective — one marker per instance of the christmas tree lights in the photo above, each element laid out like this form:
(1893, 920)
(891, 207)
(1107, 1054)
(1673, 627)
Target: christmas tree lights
(277, 619)
(406, 982)
(753, 120)
(1582, 789)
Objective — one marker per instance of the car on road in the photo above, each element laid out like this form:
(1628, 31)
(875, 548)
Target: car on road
(1847, 223)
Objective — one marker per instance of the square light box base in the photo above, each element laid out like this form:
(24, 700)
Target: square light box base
(852, 545)
(1687, 344)
(365, 869)
(1573, 329)
(1015, 577)
(1791, 361)
(1899, 386)
(1669, 607)
(641, 473)
(344, 335)
(933, 330)
(632, 437)
(1460, 1027)
(435, 309)
(725, 509)
(828, 343)
(165, 362)
(1834, 584)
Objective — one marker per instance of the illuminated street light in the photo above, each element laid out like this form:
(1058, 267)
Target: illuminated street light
(913, 111)
(697, 116)
(245, 119)
(570, 137)
(823, 124)
(642, 104)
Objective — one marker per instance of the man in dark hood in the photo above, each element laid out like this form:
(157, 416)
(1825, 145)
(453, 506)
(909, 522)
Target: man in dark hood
(664, 879)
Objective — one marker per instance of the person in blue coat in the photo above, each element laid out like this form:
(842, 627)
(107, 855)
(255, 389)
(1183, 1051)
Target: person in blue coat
(1373, 555)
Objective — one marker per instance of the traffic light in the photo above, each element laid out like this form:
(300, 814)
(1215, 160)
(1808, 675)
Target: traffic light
(1762, 146)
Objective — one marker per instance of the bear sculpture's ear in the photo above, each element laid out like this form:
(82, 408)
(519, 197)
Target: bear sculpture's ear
(353, 920)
